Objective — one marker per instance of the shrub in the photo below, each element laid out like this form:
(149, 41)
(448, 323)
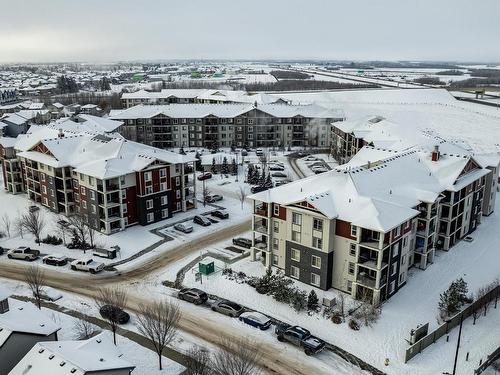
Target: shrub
(336, 318)
(354, 325)
(227, 271)
(312, 300)
(52, 240)
(299, 300)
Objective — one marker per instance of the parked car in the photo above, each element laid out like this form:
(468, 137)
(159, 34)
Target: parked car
(244, 153)
(279, 174)
(220, 214)
(214, 198)
(201, 220)
(193, 295)
(468, 239)
(228, 308)
(50, 294)
(88, 265)
(281, 182)
(300, 337)
(55, 260)
(204, 176)
(23, 253)
(33, 208)
(212, 220)
(243, 242)
(259, 152)
(256, 319)
(311, 158)
(319, 170)
(258, 189)
(276, 167)
(184, 227)
(115, 314)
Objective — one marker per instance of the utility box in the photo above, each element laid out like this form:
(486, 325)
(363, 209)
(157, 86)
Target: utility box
(206, 267)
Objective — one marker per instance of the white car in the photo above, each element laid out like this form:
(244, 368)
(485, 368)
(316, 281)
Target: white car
(183, 227)
(88, 265)
(23, 253)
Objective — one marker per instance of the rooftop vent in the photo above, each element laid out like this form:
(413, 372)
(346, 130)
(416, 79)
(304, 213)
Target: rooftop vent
(435, 153)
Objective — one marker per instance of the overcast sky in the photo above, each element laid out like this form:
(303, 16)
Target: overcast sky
(110, 30)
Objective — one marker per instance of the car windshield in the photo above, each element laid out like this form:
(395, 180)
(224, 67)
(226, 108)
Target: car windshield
(233, 305)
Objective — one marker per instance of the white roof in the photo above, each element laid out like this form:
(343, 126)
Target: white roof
(198, 110)
(87, 123)
(100, 156)
(381, 196)
(61, 357)
(26, 318)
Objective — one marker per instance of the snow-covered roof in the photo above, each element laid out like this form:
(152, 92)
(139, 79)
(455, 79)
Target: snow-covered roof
(198, 110)
(25, 318)
(61, 357)
(380, 195)
(99, 156)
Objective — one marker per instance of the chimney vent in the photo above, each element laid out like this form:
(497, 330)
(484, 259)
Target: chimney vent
(61, 134)
(435, 153)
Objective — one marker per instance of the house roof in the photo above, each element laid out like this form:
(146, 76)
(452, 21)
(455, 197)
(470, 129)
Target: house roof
(73, 357)
(25, 318)
(198, 110)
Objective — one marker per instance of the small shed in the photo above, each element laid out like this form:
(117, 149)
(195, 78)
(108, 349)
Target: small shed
(206, 267)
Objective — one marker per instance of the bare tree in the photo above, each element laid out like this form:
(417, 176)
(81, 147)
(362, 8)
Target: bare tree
(158, 322)
(341, 307)
(368, 313)
(91, 234)
(198, 361)
(79, 225)
(83, 329)
(242, 194)
(35, 278)
(6, 223)
(205, 194)
(113, 301)
(34, 223)
(18, 225)
(62, 227)
(237, 357)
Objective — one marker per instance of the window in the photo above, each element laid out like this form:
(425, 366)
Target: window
(93, 208)
(164, 213)
(84, 204)
(163, 172)
(315, 261)
(395, 249)
(44, 189)
(405, 241)
(91, 181)
(354, 230)
(178, 206)
(43, 177)
(317, 242)
(250, 121)
(147, 176)
(294, 272)
(391, 287)
(92, 195)
(296, 218)
(149, 204)
(276, 226)
(295, 255)
(150, 217)
(82, 191)
(149, 190)
(276, 209)
(315, 279)
(177, 181)
(295, 236)
(396, 232)
(349, 285)
(352, 250)
(124, 208)
(178, 194)
(317, 224)
(163, 186)
(122, 180)
(124, 194)
(276, 243)
(275, 260)
(351, 268)
(164, 200)
(402, 277)
(403, 260)
(394, 268)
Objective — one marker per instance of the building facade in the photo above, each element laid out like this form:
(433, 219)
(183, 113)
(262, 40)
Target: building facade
(226, 125)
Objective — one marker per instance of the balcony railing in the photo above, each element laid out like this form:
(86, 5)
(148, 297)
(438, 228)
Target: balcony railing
(366, 281)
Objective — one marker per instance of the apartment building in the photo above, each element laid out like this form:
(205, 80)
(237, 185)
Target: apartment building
(112, 182)
(359, 228)
(189, 96)
(7, 96)
(239, 125)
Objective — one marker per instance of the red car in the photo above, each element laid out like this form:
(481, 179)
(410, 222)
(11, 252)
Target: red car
(204, 176)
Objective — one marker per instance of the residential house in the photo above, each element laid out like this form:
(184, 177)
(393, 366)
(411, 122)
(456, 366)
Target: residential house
(22, 325)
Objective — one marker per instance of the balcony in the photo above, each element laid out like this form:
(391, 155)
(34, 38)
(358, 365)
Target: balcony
(365, 280)
(260, 226)
(261, 209)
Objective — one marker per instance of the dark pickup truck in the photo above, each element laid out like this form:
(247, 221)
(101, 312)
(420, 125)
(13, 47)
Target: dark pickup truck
(300, 337)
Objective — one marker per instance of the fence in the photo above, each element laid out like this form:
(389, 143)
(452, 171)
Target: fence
(443, 329)
(491, 358)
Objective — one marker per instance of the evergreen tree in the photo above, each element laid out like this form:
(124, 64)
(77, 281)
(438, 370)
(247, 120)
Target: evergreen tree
(214, 166)
(214, 147)
(181, 151)
(461, 289)
(234, 167)
(225, 167)
(312, 300)
(198, 165)
(250, 174)
(269, 181)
